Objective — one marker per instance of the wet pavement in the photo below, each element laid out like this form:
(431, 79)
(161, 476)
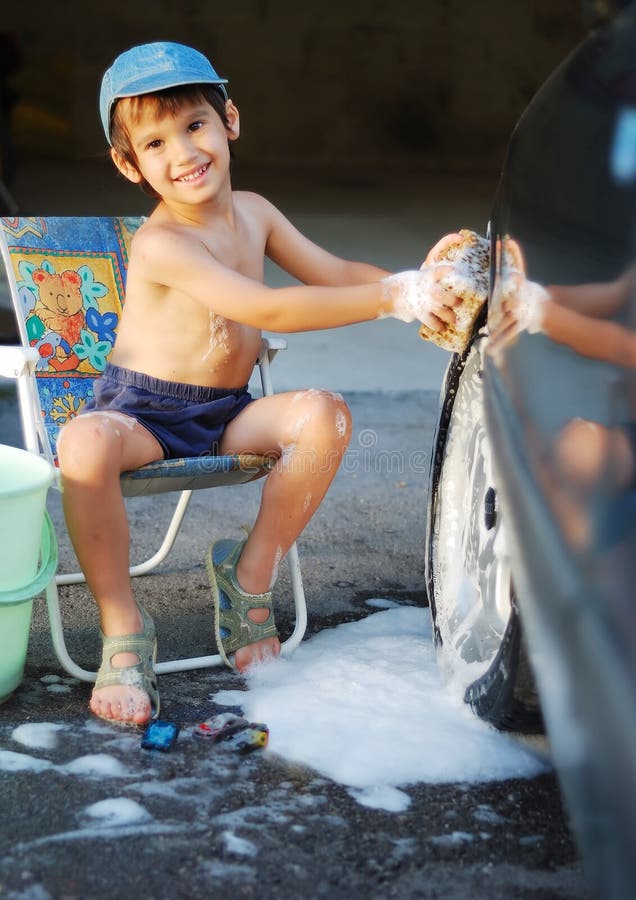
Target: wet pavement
(95, 816)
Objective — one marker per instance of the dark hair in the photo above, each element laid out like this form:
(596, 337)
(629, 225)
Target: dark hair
(166, 102)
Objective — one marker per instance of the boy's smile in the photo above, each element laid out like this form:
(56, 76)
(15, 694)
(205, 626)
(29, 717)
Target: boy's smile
(195, 175)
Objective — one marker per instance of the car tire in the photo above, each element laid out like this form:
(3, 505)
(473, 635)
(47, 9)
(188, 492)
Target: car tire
(476, 624)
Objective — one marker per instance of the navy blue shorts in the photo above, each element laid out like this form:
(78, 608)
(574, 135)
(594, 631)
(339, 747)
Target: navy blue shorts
(187, 419)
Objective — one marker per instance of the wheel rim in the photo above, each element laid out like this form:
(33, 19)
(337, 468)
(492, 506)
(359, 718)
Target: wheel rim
(471, 574)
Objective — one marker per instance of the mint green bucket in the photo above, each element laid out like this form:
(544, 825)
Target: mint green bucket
(28, 555)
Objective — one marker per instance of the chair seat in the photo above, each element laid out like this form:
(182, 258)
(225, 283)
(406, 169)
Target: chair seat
(194, 472)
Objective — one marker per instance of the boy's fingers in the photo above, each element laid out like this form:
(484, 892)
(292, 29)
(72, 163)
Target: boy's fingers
(444, 314)
(440, 313)
(443, 289)
(513, 285)
(450, 299)
(510, 253)
(504, 324)
(441, 270)
(444, 293)
(513, 252)
(441, 246)
(433, 322)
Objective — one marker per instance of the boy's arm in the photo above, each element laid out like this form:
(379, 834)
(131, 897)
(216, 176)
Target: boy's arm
(290, 249)
(595, 300)
(567, 314)
(168, 257)
(597, 339)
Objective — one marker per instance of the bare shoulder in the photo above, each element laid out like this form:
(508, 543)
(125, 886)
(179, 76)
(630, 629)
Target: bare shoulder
(255, 205)
(161, 240)
(155, 233)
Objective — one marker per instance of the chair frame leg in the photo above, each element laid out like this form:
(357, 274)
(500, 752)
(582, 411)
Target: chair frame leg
(57, 636)
(176, 665)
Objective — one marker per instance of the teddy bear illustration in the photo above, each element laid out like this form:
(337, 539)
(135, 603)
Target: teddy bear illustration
(60, 308)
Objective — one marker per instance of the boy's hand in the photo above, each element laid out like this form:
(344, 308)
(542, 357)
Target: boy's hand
(518, 304)
(525, 301)
(420, 294)
(463, 259)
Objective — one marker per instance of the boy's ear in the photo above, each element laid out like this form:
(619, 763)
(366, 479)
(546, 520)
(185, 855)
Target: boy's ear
(127, 170)
(233, 127)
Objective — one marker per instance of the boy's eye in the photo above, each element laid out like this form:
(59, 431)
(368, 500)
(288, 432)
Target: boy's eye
(194, 126)
(152, 145)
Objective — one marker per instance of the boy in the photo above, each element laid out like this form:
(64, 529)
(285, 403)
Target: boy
(195, 291)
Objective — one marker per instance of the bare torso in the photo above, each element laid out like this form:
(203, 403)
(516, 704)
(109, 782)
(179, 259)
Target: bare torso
(167, 334)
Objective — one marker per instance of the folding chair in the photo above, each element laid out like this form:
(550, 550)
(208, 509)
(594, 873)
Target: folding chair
(66, 341)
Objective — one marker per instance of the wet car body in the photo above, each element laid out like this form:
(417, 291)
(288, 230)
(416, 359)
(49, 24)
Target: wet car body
(538, 623)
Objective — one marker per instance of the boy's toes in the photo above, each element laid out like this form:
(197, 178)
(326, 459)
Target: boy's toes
(132, 707)
(254, 654)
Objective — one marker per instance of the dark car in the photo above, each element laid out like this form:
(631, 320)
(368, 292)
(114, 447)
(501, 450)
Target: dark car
(531, 556)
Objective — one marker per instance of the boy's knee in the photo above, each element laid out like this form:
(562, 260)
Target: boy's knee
(325, 411)
(87, 441)
(581, 445)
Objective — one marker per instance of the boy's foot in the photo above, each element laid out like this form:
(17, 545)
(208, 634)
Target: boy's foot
(244, 623)
(258, 652)
(126, 688)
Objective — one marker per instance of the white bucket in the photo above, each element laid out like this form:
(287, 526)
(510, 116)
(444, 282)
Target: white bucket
(26, 538)
(24, 483)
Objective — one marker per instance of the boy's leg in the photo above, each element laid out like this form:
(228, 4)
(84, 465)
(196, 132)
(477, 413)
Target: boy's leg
(309, 432)
(93, 450)
(588, 458)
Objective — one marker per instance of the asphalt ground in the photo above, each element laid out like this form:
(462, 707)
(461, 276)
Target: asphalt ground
(259, 825)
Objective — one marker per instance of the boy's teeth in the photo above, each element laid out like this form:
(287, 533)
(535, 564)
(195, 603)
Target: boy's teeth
(194, 175)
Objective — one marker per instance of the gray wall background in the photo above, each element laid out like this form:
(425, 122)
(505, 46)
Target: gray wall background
(357, 86)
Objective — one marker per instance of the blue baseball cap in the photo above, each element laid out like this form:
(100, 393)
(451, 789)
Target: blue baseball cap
(153, 67)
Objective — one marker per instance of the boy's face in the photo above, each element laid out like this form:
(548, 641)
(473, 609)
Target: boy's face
(185, 158)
